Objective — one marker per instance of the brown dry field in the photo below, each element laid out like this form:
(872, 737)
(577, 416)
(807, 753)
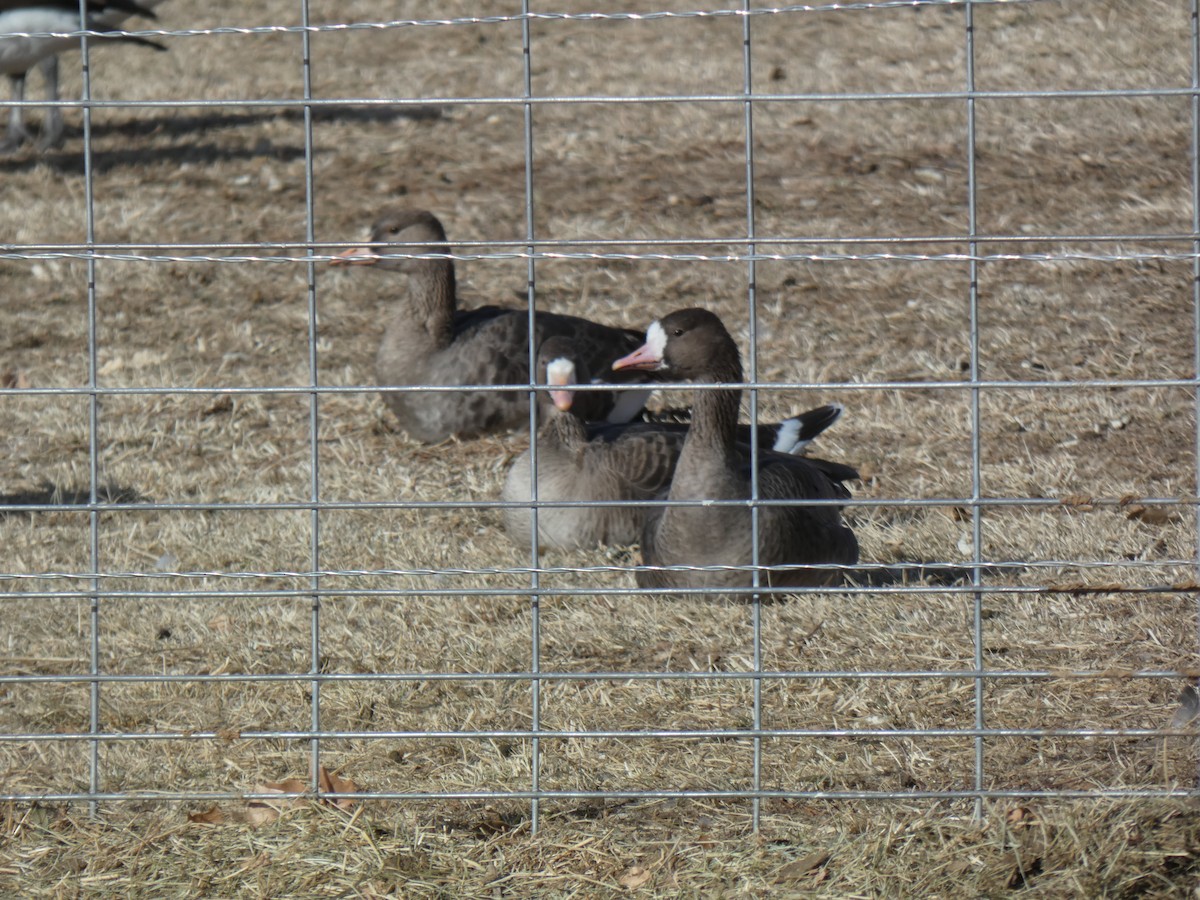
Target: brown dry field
(823, 168)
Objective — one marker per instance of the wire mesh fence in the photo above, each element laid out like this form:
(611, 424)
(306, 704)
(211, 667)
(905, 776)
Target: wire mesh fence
(226, 565)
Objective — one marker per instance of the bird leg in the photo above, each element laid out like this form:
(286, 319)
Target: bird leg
(16, 133)
(52, 124)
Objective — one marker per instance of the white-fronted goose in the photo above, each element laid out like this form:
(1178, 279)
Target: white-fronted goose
(693, 345)
(619, 463)
(20, 54)
(430, 341)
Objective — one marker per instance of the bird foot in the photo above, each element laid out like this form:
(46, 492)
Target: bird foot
(13, 139)
(52, 138)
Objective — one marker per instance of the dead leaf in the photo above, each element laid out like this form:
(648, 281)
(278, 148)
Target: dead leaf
(1189, 707)
(635, 877)
(263, 810)
(258, 861)
(222, 404)
(802, 867)
(958, 867)
(1151, 515)
(14, 378)
(1021, 874)
(1081, 502)
(957, 513)
(212, 816)
(492, 822)
(810, 634)
(1020, 817)
(258, 813)
(335, 784)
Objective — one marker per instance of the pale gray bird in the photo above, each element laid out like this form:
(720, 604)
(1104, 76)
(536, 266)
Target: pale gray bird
(20, 54)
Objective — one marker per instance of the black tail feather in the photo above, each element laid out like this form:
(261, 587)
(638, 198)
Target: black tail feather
(134, 39)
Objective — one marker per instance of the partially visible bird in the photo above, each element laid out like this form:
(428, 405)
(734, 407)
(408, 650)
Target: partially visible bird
(20, 54)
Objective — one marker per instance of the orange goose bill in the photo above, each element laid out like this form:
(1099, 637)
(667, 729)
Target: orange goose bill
(356, 256)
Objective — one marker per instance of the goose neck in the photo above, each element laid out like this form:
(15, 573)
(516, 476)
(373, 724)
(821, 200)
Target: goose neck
(715, 411)
(434, 297)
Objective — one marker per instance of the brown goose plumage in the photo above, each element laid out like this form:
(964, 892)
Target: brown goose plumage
(620, 463)
(693, 345)
(430, 341)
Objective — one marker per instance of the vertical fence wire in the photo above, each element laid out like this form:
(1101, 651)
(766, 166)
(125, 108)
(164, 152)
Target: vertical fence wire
(1194, 172)
(756, 599)
(535, 605)
(94, 777)
(976, 425)
(314, 403)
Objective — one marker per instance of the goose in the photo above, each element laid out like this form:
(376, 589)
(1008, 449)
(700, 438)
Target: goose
(20, 54)
(429, 341)
(694, 345)
(580, 460)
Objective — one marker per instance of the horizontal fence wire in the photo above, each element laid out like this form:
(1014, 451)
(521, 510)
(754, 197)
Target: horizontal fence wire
(527, 16)
(325, 584)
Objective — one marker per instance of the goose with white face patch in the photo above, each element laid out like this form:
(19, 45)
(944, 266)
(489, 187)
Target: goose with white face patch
(430, 341)
(694, 345)
(612, 463)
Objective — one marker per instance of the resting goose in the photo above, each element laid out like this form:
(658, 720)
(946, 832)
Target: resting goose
(20, 54)
(430, 341)
(631, 462)
(693, 345)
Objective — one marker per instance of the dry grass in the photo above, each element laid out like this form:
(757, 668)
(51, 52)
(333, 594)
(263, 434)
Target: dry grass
(612, 171)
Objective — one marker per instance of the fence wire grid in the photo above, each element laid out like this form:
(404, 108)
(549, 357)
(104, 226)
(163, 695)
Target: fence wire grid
(385, 589)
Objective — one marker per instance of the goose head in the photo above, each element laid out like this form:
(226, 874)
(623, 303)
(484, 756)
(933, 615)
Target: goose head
(688, 344)
(416, 227)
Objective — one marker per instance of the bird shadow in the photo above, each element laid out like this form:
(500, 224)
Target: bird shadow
(52, 495)
(203, 149)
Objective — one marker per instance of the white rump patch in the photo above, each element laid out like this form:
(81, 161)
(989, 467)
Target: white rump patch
(656, 339)
(628, 405)
(787, 438)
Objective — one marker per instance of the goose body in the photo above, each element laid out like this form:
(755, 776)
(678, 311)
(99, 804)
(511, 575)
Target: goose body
(624, 463)
(693, 345)
(20, 54)
(429, 341)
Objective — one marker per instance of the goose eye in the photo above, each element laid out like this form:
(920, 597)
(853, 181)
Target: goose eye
(678, 332)
(395, 229)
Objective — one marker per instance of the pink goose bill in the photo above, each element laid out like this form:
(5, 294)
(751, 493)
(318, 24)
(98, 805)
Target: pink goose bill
(649, 356)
